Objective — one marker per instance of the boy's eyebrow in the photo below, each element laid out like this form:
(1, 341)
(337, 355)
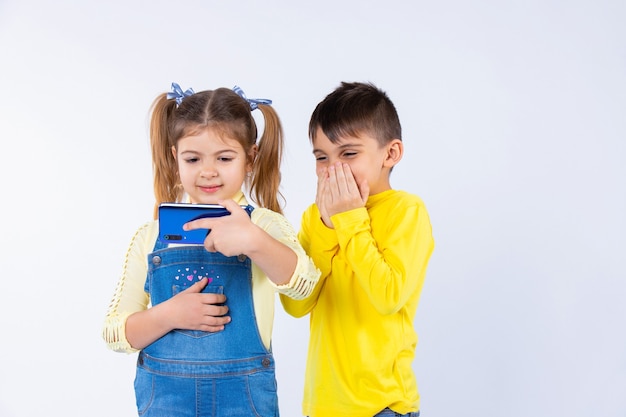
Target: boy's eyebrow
(342, 146)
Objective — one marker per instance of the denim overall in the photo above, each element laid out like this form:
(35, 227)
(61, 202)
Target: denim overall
(196, 373)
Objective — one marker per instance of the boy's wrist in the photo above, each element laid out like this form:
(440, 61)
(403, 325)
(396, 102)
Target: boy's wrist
(347, 219)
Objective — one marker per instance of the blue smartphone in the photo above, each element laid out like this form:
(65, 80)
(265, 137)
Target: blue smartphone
(172, 217)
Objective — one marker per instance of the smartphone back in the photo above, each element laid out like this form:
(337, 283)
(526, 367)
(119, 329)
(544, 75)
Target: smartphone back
(172, 217)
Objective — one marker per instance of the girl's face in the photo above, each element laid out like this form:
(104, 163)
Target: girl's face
(211, 167)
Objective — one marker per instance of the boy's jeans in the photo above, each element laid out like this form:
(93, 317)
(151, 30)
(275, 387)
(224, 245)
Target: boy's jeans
(390, 413)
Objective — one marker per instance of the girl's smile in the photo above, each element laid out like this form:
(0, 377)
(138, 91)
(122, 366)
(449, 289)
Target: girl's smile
(209, 189)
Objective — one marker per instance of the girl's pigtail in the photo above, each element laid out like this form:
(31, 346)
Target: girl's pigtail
(265, 185)
(163, 163)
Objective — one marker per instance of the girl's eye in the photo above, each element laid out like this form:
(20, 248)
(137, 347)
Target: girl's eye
(191, 160)
(225, 159)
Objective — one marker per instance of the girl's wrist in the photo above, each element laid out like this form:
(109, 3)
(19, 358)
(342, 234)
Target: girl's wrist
(256, 241)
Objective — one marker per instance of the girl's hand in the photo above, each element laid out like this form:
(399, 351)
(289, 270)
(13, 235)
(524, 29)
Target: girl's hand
(190, 309)
(230, 235)
(193, 310)
(235, 234)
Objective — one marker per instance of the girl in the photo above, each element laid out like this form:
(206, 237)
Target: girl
(201, 316)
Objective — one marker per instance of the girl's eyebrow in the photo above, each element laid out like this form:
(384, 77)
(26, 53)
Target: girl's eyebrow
(218, 152)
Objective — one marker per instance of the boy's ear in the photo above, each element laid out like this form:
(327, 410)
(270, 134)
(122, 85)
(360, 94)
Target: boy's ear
(395, 150)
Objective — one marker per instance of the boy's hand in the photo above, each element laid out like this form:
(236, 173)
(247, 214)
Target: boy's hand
(320, 197)
(230, 235)
(338, 192)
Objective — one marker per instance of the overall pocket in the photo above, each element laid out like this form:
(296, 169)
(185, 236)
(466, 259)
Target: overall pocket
(209, 289)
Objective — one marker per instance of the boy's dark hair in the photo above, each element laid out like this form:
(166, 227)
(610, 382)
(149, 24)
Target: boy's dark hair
(353, 109)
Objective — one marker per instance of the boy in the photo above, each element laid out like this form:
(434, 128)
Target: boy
(372, 244)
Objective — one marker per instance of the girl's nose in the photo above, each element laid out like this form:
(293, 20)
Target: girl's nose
(208, 171)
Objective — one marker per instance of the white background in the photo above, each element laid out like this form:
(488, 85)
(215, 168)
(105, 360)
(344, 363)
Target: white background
(514, 125)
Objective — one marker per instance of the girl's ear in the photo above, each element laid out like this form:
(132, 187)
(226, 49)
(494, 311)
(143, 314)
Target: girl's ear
(252, 154)
(174, 152)
(395, 150)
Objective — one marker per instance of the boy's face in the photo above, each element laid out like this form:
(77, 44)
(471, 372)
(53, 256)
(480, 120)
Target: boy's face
(367, 159)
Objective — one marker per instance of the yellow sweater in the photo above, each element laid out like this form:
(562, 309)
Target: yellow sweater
(362, 339)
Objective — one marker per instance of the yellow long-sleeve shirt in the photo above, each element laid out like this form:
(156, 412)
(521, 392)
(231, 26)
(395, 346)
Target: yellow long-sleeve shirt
(362, 339)
(131, 297)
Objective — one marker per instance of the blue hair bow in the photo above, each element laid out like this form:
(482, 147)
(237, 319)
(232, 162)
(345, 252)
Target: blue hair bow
(178, 93)
(254, 102)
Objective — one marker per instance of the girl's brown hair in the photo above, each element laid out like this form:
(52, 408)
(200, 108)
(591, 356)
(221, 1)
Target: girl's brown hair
(231, 115)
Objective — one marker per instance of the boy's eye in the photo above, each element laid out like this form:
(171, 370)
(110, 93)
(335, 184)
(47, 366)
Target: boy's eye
(348, 154)
(320, 158)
